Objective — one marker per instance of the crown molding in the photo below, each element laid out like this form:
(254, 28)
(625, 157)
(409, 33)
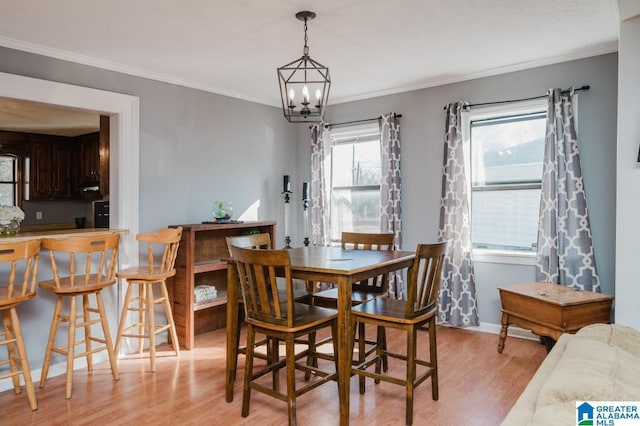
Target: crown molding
(171, 79)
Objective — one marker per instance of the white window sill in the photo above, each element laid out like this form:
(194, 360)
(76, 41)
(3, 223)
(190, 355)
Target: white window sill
(504, 256)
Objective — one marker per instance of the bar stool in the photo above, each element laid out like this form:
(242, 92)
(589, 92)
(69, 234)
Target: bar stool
(20, 287)
(81, 266)
(155, 272)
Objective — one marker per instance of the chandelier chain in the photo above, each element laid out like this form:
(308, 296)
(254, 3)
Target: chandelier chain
(306, 48)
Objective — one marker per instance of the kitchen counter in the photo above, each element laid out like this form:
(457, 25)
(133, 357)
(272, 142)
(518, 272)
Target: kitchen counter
(59, 233)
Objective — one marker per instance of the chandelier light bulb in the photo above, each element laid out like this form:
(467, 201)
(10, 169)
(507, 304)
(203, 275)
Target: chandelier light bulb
(305, 95)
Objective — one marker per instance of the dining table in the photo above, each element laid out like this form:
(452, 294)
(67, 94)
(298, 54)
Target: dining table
(333, 265)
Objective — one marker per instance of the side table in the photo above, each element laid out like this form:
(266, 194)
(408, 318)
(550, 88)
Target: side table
(550, 310)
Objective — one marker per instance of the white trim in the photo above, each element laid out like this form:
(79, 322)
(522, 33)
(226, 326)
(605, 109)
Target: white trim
(513, 331)
(504, 257)
(166, 78)
(124, 181)
(595, 51)
(125, 69)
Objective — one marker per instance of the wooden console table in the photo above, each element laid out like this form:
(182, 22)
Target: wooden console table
(550, 309)
(201, 259)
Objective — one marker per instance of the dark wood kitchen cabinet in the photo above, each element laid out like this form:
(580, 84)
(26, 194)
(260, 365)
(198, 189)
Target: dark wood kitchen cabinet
(91, 175)
(50, 174)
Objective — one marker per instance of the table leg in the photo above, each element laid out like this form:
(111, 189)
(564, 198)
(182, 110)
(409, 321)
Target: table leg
(345, 348)
(233, 331)
(503, 332)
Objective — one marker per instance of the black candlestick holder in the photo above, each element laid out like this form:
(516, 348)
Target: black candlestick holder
(287, 213)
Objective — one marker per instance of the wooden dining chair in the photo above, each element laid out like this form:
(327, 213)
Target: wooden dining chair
(280, 318)
(364, 290)
(18, 285)
(253, 241)
(160, 266)
(81, 266)
(417, 312)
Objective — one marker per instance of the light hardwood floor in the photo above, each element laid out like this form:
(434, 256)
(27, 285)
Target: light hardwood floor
(478, 386)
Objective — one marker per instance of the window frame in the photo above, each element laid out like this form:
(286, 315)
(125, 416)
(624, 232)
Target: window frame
(17, 182)
(504, 110)
(352, 134)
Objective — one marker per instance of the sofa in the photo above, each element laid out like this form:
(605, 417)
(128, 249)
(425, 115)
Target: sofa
(601, 362)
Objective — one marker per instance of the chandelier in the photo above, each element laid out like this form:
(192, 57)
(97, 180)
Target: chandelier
(301, 79)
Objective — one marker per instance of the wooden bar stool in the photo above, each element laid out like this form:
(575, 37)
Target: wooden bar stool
(17, 287)
(156, 271)
(277, 315)
(418, 312)
(81, 266)
(234, 317)
(362, 291)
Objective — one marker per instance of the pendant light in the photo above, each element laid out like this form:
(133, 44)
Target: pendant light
(304, 84)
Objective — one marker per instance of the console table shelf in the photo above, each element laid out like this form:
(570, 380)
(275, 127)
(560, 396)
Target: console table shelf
(201, 260)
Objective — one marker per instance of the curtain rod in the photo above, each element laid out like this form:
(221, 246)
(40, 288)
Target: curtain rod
(585, 87)
(328, 125)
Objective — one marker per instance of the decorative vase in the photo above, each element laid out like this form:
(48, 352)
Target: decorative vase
(222, 210)
(10, 229)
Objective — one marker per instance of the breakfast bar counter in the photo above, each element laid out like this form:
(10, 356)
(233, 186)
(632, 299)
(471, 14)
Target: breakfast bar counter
(59, 233)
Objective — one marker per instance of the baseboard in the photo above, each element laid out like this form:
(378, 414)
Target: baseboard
(514, 331)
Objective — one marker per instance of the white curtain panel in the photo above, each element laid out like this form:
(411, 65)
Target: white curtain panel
(565, 250)
(391, 190)
(457, 304)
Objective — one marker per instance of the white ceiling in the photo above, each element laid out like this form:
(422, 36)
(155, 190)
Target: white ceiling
(372, 47)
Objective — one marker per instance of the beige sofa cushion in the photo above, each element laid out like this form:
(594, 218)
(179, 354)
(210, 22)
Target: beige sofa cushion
(601, 362)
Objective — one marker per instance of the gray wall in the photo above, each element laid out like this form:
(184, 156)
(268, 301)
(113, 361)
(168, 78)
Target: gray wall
(196, 147)
(422, 138)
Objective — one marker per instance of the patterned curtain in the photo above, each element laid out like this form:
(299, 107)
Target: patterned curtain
(319, 197)
(390, 189)
(565, 250)
(457, 303)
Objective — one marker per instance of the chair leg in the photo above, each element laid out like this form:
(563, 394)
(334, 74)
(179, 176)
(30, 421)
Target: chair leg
(411, 373)
(123, 319)
(142, 312)
(87, 331)
(107, 336)
(248, 370)
(11, 351)
(52, 336)
(169, 314)
(433, 358)
(312, 359)
(291, 379)
(71, 346)
(274, 352)
(362, 348)
(151, 326)
(24, 361)
(382, 343)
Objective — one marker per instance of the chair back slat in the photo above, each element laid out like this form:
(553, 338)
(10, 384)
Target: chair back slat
(257, 273)
(166, 242)
(369, 241)
(22, 275)
(89, 260)
(424, 280)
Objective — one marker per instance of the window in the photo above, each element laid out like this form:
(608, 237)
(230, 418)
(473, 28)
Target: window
(9, 180)
(355, 180)
(507, 152)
